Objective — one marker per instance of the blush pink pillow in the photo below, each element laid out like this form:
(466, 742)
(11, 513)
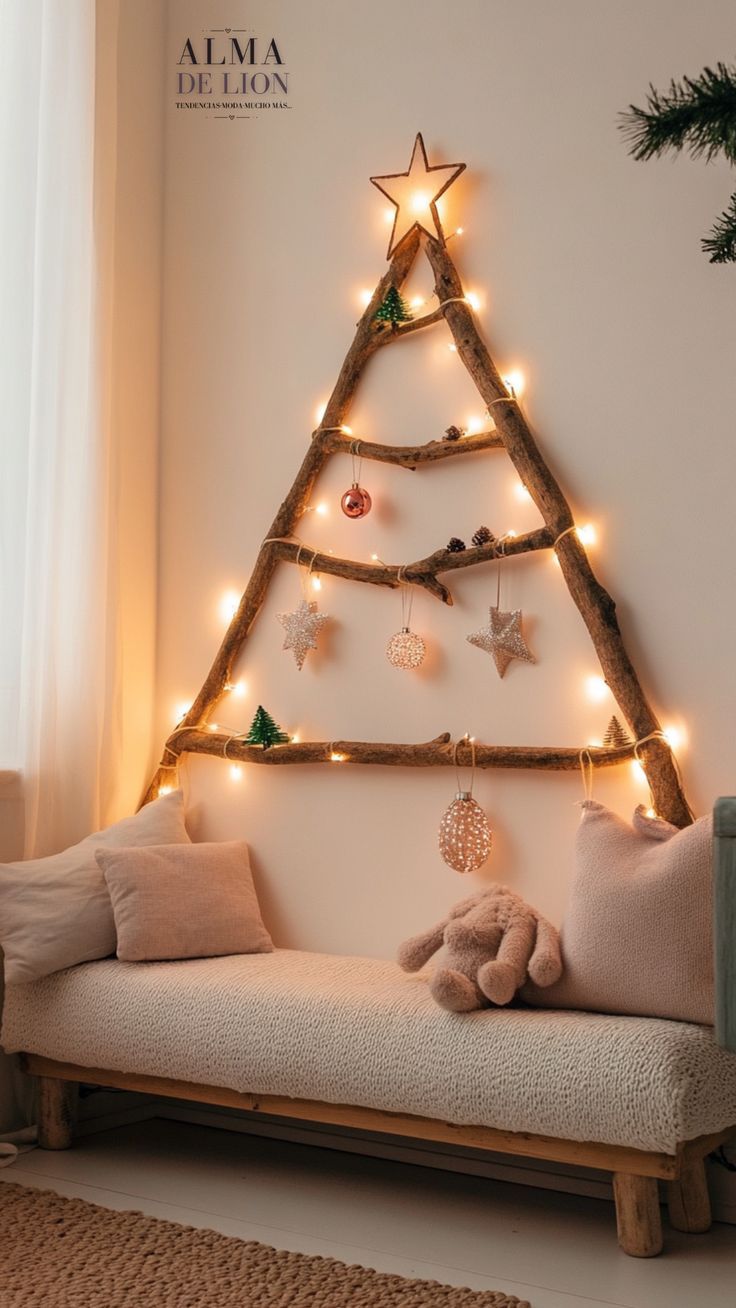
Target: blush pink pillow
(637, 934)
(183, 901)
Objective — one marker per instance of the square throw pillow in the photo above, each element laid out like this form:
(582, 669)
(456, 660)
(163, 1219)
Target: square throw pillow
(184, 901)
(56, 911)
(637, 937)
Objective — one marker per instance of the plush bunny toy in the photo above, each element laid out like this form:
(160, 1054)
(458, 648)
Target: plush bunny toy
(492, 942)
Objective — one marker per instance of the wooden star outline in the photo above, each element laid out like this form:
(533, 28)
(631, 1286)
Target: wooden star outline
(415, 194)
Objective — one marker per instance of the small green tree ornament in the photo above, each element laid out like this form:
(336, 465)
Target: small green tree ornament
(394, 309)
(264, 731)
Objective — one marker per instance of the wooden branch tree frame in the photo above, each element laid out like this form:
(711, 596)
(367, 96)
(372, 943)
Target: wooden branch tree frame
(512, 434)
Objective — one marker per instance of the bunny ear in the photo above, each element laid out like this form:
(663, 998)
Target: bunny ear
(654, 827)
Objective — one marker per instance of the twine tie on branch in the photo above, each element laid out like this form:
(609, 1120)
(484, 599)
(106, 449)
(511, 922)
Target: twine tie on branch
(587, 770)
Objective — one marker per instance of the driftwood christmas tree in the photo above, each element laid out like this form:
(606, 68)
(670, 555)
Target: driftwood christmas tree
(508, 432)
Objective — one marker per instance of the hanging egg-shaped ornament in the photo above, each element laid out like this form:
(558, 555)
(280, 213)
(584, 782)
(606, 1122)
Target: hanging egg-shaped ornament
(406, 649)
(465, 835)
(356, 502)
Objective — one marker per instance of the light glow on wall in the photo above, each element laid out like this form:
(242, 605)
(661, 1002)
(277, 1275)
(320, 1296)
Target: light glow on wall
(596, 689)
(229, 604)
(514, 381)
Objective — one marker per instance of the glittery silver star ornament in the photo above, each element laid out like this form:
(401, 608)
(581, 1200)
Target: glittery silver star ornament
(502, 638)
(302, 628)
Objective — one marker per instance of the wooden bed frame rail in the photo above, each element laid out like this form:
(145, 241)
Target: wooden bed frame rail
(636, 1172)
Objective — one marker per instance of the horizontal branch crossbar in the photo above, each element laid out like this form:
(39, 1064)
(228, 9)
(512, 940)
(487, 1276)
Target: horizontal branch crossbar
(409, 456)
(436, 753)
(423, 572)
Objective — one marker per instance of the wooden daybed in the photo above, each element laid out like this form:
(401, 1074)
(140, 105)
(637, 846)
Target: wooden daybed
(355, 1042)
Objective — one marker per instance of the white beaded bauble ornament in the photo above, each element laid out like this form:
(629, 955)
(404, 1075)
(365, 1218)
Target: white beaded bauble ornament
(406, 649)
(465, 837)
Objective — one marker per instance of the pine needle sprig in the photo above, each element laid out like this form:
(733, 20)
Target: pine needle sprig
(698, 113)
(721, 244)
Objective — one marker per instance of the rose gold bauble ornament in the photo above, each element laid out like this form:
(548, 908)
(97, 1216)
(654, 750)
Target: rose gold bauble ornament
(406, 649)
(465, 836)
(356, 502)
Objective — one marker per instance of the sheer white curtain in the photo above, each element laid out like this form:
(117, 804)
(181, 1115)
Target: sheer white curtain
(70, 539)
(60, 649)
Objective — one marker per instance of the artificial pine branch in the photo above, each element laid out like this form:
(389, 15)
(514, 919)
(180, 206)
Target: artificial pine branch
(721, 244)
(698, 113)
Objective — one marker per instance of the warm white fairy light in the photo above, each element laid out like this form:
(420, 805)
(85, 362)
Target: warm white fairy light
(181, 711)
(473, 300)
(295, 738)
(365, 298)
(638, 771)
(236, 772)
(420, 201)
(596, 688)
(473, 425)
(452, 347)
(674, 736)
(514, 381)
(594, 743)
(316, 583)
(165, 790)
(229, 604)
(521, 492)
(388, 215)
(586, 534)
(321, 509)
(346, 431)
(416, 302)
(212, 726)
(337, 758)
(237, 688)
(319, 412)
(511, 534)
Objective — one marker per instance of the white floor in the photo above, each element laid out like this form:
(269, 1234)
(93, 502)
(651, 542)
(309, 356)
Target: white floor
(558, 1251)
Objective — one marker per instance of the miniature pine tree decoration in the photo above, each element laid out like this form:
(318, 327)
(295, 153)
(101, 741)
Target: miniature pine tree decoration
(616, 736)
(394, 309)
(698, 114)
(264, 731)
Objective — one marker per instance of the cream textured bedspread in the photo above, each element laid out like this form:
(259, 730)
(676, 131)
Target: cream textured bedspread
(359, 1031)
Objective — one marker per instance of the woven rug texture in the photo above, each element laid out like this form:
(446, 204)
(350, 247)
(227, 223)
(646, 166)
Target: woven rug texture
(66, 1253)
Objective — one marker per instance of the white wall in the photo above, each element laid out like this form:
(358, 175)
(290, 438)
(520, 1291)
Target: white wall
(592, 282)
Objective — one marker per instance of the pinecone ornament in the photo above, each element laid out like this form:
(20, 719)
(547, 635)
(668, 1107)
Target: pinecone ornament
(453, 434)
(455, 545)
(483, 536)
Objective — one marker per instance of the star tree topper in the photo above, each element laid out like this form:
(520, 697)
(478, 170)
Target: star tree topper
(502, 638)
(415, 194)
(302, 628)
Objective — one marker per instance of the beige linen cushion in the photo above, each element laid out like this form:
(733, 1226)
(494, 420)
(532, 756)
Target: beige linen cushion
(184, 901)
(637, 933)
(56, 912)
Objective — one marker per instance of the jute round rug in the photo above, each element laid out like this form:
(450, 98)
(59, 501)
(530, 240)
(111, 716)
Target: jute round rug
(66, 1253)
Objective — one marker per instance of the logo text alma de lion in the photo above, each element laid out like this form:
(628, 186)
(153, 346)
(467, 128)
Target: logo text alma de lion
(215, 52)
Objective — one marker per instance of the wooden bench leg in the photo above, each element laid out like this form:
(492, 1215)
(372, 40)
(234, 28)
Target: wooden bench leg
(57, 1112)
(687, 1197)
(638, 1219)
